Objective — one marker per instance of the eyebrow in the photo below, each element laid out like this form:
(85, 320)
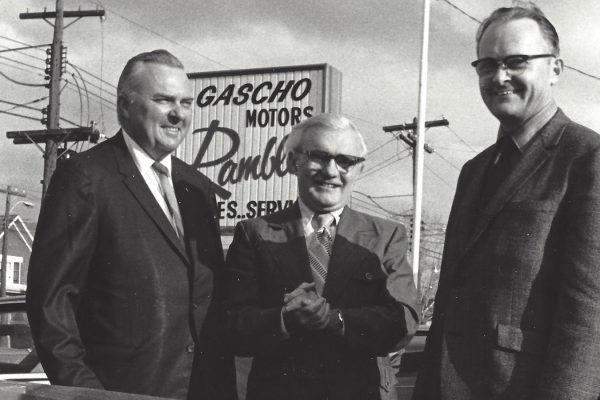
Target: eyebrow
(171, 97)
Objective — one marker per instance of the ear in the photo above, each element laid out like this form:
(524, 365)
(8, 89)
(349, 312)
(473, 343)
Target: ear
(557, 66)
(123, 107)
(292, 163)
(360, 169)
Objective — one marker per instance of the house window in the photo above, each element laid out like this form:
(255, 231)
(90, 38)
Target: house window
(16, 272)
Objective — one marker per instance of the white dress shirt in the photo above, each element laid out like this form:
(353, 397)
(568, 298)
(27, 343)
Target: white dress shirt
(144, 162)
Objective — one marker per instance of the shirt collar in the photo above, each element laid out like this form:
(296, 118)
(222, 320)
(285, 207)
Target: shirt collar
(307, 214)
(141, 159)
(523, 135)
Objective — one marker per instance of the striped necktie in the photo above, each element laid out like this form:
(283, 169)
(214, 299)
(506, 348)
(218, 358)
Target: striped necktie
(319, 249)
(171, 200)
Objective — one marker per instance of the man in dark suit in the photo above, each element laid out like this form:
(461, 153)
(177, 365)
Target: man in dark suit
(517, 312)
(316, 303)
(127, 254)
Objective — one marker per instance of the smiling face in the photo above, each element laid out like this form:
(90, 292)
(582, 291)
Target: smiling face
(325, 189)
(514, 97)
(156, 110)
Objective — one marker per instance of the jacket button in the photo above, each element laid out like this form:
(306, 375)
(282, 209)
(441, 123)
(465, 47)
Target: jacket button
(195, 306)
(190, 348)
(369, 276)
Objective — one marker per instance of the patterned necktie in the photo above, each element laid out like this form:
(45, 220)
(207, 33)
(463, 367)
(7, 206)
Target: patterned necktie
(171, 200)
(320, 249)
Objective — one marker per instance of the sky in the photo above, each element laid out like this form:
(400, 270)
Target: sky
(376, 44)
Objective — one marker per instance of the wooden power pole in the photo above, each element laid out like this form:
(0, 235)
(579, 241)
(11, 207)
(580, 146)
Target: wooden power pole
(411, 140)
(56, 65)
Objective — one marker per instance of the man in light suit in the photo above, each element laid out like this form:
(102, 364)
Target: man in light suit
(517, 312)
(127, 255)
(315, 305)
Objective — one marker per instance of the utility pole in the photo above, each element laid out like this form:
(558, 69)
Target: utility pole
(56, 65)
(10, 191)
(411, 140)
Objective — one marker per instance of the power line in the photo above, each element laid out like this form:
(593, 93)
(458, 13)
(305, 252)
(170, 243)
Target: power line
(479, 22)
(169, 39)
(94, 76)
(461, 139)
(22, 63)
(384, 164)
(369, 206)
(582, 72)
(22, 83)
(24, 105)
(447, 161)
(79, 70)
(20, 50)
(381, 146)
(438, 176)
(19, 115)
(42, 59)
(355, 117)
(437, 146)
(15, 41)
(81, 100)
(379, 206)
(462, 12)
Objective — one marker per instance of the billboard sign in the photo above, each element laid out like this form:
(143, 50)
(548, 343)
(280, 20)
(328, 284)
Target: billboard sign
(239, 125)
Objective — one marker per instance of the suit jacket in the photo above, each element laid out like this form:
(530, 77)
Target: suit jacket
(268, 258)
(114, 299)
(517, 312)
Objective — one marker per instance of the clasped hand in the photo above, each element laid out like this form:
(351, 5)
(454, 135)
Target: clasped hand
(305, 309)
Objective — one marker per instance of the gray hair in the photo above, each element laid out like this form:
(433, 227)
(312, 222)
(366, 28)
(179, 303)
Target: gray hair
(321, 123)
(126, 81)
(523, 9)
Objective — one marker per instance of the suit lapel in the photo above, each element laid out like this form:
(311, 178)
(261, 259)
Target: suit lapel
(286, 243)
(134, 181)
(533, 159)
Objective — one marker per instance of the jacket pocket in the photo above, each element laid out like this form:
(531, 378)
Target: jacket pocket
(513, 338)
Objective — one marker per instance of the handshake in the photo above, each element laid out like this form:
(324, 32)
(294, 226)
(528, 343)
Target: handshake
(305, 310)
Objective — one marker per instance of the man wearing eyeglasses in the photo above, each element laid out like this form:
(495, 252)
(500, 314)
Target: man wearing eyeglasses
(317, 291)
(517, 312)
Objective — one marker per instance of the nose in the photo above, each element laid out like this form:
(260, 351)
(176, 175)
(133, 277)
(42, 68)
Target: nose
(501, 73)
(176, 113)
(331, 168)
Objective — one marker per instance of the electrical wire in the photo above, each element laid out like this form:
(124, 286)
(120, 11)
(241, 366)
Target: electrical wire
(379, 206)
(23, 105)
(80, 100)
(446, 160)
(22, 83)
(381, 146)
(439, 177)
(461, 139)
(384, 164)
(87, 93)
(19, 115)
(479, 22)
(22, 63)
(168, 39)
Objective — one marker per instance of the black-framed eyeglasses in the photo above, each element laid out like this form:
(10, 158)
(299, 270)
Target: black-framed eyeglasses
(320, 159)
(515, 63)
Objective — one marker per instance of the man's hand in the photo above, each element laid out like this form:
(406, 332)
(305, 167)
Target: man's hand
(304, 309)
(303, 295)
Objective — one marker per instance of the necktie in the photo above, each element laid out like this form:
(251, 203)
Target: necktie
(171, 200)
(505, 158)
(320, 249)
